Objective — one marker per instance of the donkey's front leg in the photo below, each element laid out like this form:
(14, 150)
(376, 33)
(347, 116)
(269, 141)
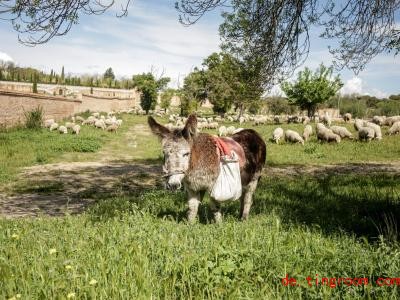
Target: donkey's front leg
(247, 199)
(193, 205)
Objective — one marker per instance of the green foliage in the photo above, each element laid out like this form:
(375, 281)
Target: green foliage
(109, 74)
(311, 89)
(193, 91)
(34, 118)
(166, 97)
(34, 84)
(149, 87)
(280, 105)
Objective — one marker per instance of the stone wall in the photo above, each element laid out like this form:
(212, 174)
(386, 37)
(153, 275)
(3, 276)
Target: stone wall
(95, 103)
(13, 105)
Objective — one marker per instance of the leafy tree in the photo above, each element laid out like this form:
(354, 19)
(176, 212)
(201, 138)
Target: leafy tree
(34, 85)
(193, 91)
(310, 89)
(62, 78)
(109, 74)
(165, 98)
(275, 34)
(149, 87)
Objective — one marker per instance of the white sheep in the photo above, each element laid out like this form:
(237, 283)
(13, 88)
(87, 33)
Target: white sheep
(112, 128)
(241, 120)
(307, 132)
(100, 124)
(118, 122)
(277, 134)
(79, 118)
(325, 134)
(222, 131)
(306, 120)
(293, 136)
(376, 128)
(62, 129)
(96, 114)
(237, 130)
(53, 126)
(366, 133)
(48, 123)
(391, 120)
(76, 129)
(395, 128)
(326, 119)
(343, 132)
(347, 117)
(230, 130)
(69, 125)
(358, 124)
(379, 120)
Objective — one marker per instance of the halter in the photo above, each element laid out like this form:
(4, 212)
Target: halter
(174, 173)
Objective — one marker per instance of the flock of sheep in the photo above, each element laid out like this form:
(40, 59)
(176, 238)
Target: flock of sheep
(324, 130)
(105, 122)
(367, 130)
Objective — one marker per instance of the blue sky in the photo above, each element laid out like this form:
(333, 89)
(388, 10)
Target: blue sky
(151, 37)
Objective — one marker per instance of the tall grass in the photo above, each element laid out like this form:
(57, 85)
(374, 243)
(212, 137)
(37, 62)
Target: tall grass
(34, 118)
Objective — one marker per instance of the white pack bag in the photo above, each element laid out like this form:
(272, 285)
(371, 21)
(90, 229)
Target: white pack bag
(228, 185)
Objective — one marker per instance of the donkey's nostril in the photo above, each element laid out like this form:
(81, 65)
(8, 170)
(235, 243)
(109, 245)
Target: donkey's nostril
(174, 186)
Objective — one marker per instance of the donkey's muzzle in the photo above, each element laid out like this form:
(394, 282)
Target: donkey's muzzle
(174, 186)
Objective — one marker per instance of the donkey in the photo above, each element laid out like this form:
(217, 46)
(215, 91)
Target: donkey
(192, 160)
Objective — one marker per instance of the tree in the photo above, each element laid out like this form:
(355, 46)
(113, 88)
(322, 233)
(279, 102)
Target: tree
(109, 74)
(310, 89)
(274, 35)
(149, 87)
(62, 78)
(193, 91)
(34, 85)
(165, 98)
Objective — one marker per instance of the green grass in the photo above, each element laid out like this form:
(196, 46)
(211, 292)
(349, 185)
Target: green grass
(138, 245)
(135, 243)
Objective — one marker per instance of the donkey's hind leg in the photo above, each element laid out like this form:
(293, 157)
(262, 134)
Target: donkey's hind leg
(247, 199)
(215, 207)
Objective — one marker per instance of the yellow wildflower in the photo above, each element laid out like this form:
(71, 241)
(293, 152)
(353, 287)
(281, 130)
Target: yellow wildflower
(68, 267)
(52, 251)
(15, 236)
(93, 282)
(70, 295)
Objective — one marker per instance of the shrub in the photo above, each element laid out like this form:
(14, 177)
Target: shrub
(34, 118)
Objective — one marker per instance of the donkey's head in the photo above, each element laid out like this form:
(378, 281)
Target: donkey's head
(176, 146)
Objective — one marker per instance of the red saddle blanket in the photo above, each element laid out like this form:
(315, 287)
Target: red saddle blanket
(226, 145)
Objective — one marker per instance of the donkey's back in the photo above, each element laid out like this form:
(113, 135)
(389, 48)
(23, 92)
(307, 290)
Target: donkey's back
(255, 151)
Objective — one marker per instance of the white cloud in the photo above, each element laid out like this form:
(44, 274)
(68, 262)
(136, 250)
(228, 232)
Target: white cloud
(5, 57)
(352, 86)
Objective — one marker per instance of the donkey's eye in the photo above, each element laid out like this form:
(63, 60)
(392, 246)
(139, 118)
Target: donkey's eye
(186, 154)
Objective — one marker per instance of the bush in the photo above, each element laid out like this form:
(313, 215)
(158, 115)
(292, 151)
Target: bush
(34, 118)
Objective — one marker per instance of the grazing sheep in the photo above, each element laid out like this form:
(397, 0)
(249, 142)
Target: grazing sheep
(118, 122)
(62, 129)
(277, 134)
(358, 124)
(112, 128)
(79, 118)
(347, 117)
(306, 120)
(69, 125)
(241, 120)
(237, 130)
(100, 124)
(366, 133)
(48, 123)
(395, 128)
(293, 136)
(343, 132)
(96, 114)
(222, 131)
(325, 134)
(316, 119)
(230, 119)
(376, 128)
(212, 125)
(230, 130)
(277, 120)
(76, 129)
(53, 126)
(307, 132)
(391, 120)
(379, 120)
(326, 119)
(260, 120)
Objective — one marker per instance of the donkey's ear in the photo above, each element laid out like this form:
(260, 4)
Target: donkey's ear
(190, 129)
(158, 129)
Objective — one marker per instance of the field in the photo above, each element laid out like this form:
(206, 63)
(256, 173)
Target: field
(87, 217)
